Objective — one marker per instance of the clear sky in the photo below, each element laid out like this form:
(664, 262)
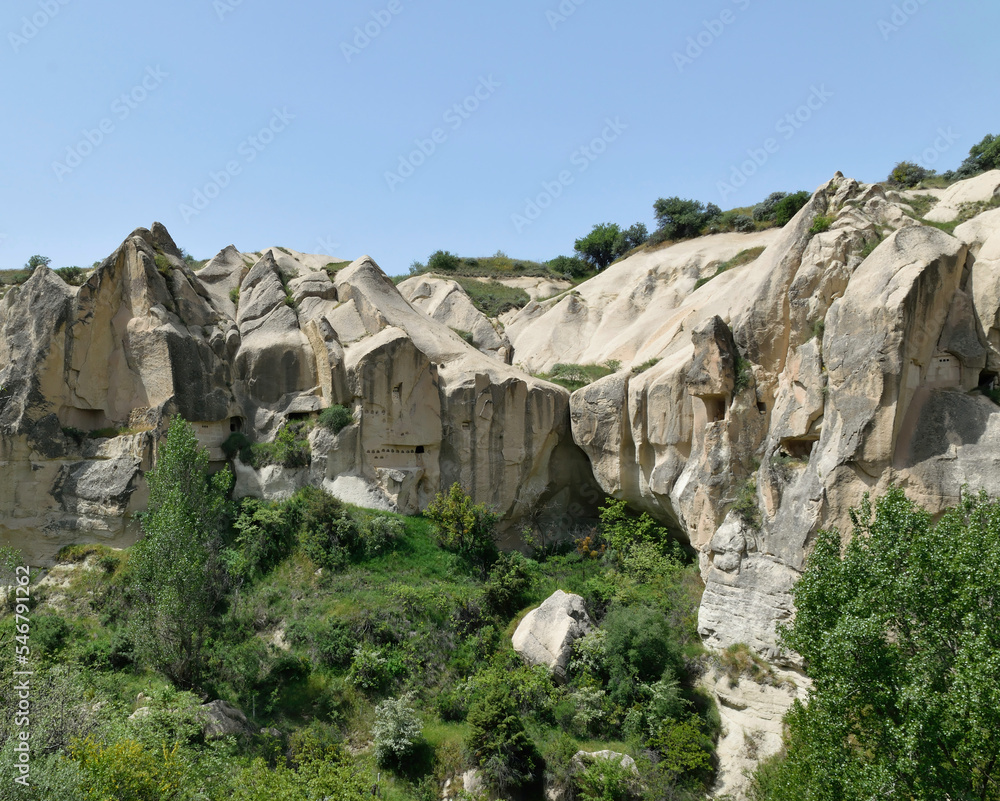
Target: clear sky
(258, 123)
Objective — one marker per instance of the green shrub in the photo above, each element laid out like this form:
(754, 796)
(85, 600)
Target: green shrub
(396, 730)
(380, 533)
(641, 648)
(746, 503)
(493, 298)
(577, 376)
(788, 207)
(327, 534)
(465, 527)
(765, 210)
(370, 670)
(290, 448)
(74, 276)
(681, 219)
(163, 265)
(265, 534)
(570, 266)
(443, 261)
(507, 586)
(497, 742)
(336, 418)
(744, 374)
(642, 368)
(607, 780)
(820, 224)
(234, 296)
(906, 175)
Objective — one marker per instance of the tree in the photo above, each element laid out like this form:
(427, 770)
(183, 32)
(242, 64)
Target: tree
(598, 247)
(396, 731)
(570, 265)
(983, 156)
(37, 261)
(679, 219)
(497, 741)
(907, 175)
(176, 575)
(901, 636)
(463, 526)
(630, 238)
(443, 261)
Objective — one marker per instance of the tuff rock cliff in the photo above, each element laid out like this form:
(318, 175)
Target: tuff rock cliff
(853, 348)
(90, 377)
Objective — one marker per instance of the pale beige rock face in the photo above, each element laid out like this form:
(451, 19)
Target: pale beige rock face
(972, 190)
(145, 338)
(445, 301)
(546, 635)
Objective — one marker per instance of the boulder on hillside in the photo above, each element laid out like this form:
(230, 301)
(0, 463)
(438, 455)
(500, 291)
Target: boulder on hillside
(220, 719)
(546, 635)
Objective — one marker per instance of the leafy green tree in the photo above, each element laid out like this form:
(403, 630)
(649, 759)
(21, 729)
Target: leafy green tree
(983, 156)
(907, 175)
(599, 247)
(630, 238)
(497, 741)
(789, 206)
(465, 527)
(678, 218)
(570, 265)
(176, 575)
(443, 261)
(37, 261)
(900, 634)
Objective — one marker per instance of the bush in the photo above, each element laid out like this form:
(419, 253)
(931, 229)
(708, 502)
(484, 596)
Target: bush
(679, 219)
(570, 266)
(327, 534)
(238, 443)
(788, 207)
(336, 418)
(74, 276)
(509, 581)
(379, 533)
(641, 648)
(265, 534)
(599, 246)
(764, 211)
(497, 742)
(493, 298)
(396, 730)
(983, 156)
(820, 225)
(464, 527)
(907, 175)
(290, 448)
(370, 671)
(443, 261)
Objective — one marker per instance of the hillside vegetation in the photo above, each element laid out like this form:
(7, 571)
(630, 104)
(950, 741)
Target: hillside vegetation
(356, 644)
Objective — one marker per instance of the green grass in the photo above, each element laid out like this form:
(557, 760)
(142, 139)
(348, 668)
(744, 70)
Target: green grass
(491, 297)
(646, 365)
(335, 266)
(577, 376)
(820, 224)
(741, 258)
(922, 204)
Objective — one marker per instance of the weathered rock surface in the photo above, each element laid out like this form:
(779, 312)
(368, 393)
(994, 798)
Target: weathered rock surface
(246, 344)
(546, 635)
(221, 719)
(445, 301)
(980, 189)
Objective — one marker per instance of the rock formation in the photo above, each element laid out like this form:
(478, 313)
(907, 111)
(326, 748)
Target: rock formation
(91, 375)
(546, 635)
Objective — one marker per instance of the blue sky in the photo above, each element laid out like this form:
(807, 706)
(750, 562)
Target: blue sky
(259, 123)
